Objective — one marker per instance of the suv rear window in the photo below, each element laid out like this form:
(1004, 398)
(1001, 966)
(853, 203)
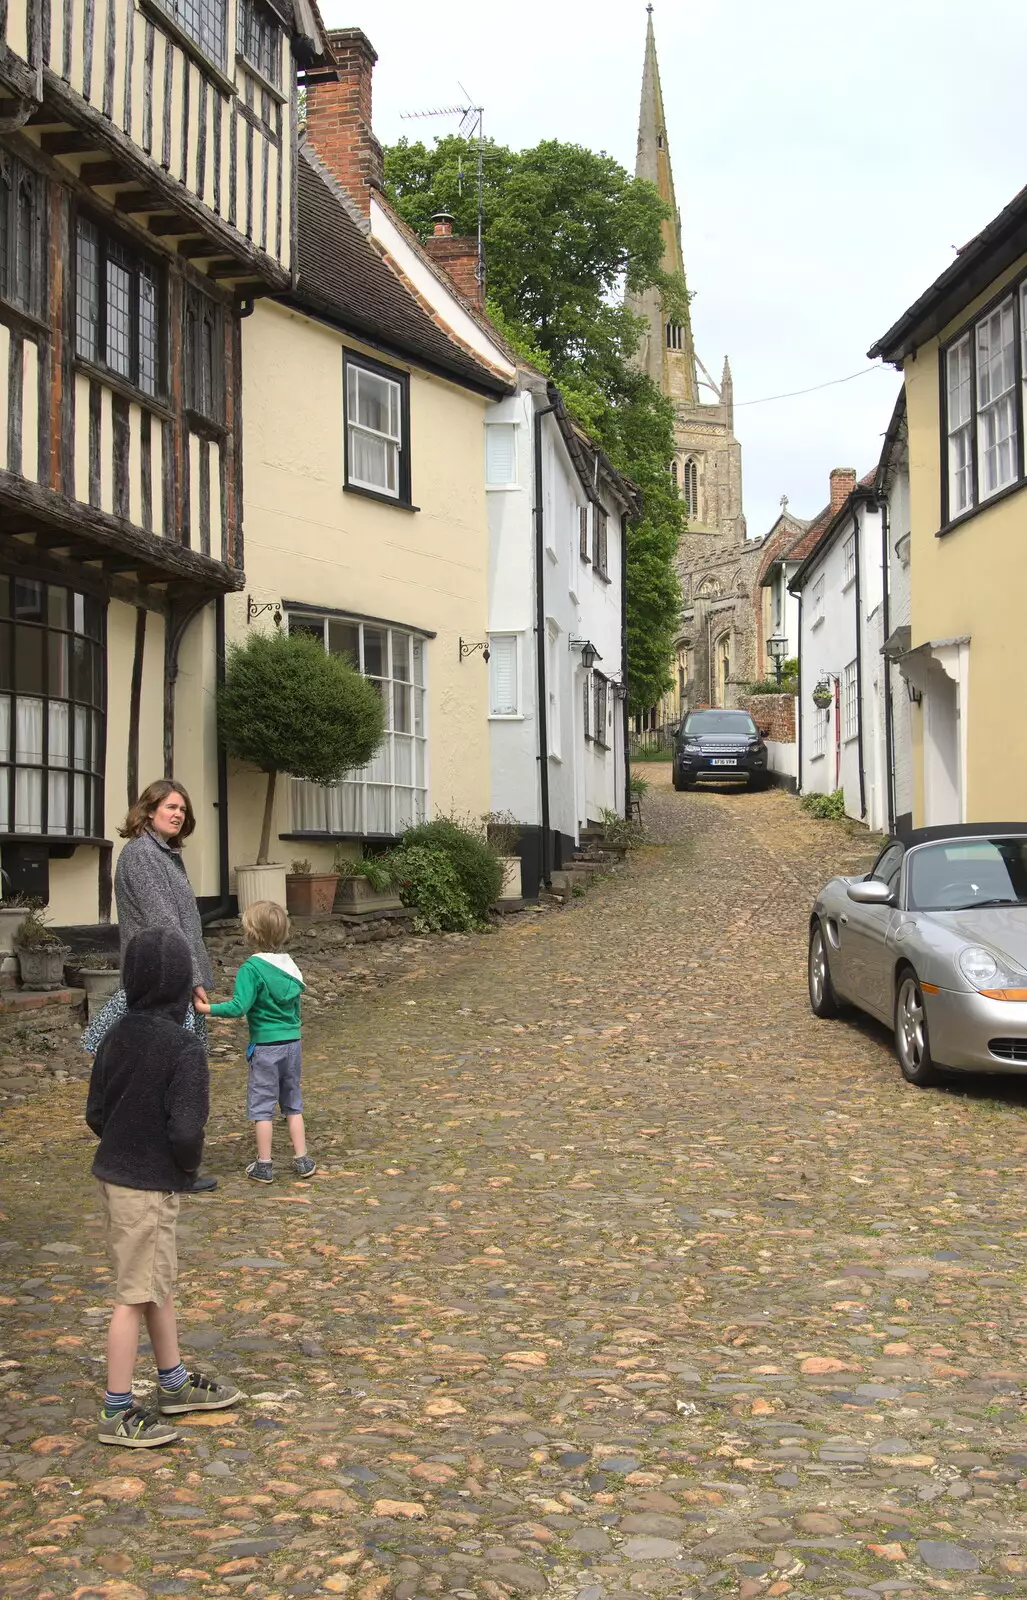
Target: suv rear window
(698, 723)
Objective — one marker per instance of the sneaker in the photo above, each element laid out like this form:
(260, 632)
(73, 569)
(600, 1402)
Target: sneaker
(261, 1171)
(136, 1429)
(304, 1166)
(197, 1394)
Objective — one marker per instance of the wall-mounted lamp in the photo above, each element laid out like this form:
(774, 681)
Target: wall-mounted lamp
(468, 649)
(915, 694)
(255, 609)
(589, 654)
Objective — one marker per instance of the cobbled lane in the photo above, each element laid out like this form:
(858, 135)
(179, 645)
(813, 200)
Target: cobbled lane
(622, 1275)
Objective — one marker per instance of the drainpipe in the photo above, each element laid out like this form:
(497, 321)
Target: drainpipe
(224, 905)
(624, 659)
(540, 651)
(889, 710)
(798, 719)
(857, 596)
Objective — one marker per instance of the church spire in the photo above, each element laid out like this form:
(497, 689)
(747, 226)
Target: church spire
(670, 357)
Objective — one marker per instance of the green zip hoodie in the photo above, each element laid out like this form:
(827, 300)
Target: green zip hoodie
(267, 992)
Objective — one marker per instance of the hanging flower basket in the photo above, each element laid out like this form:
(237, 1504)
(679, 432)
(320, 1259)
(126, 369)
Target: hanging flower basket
(823, 695)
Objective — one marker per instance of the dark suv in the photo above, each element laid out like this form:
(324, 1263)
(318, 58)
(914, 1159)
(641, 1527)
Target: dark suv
(719, 744)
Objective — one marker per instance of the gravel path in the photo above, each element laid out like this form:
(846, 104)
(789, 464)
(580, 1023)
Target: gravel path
(621, 1275)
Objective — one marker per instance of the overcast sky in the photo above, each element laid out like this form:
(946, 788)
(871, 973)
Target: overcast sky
(827, 159)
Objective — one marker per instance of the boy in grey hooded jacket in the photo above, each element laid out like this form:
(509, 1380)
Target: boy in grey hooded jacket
(267, 993)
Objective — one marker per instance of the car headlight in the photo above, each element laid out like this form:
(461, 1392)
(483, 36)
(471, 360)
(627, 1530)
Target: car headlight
(996, 980)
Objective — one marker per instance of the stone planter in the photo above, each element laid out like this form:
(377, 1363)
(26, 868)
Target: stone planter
(42, 967)
(310, 894)
(11, 919)
(260, 883)
(358, 897)
(99, 983)
(512, 887)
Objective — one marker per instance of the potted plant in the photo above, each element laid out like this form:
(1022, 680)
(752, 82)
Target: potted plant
(98, 973)
(40, 953)
(287, 706)
(503, 832)
(823, 694)
(309, 893)
(12, 915)
(365, 886)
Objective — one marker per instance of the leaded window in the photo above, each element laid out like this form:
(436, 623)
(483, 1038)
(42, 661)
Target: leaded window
(390, 794)
(204, 356)
(205, 22)
(118, 310)
(260, 40)
(53, 699)
(22, 236)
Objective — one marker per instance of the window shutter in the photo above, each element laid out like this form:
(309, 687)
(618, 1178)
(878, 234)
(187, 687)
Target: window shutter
(583, 532)
(586, 688)
(500, 454)
(503, 675)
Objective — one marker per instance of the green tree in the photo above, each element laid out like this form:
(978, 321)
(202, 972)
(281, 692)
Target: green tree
(566, 231)
(288, 706)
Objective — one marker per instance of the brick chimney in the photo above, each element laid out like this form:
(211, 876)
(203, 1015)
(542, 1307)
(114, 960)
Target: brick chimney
(457, 255)
(339, 119)
(843, 482)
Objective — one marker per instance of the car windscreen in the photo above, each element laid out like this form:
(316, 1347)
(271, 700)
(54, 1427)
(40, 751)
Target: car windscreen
(699, 723)
(959, 874)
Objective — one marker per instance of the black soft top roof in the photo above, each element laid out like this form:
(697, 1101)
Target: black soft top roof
(959, 830)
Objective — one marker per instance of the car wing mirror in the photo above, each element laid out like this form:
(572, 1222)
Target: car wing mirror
(871, 892)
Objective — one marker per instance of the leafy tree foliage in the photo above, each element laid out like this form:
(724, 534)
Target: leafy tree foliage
(288, 706)
(566, 230)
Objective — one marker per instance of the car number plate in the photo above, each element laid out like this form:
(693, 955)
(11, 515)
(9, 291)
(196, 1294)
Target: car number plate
(724, 761)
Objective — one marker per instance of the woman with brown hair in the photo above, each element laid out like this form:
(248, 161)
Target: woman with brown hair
(152, 890)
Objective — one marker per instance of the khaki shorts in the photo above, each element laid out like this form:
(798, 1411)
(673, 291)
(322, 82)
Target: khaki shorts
(139, 1229)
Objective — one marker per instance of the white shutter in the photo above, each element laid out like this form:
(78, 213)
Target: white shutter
(500, 454)
(504, 699)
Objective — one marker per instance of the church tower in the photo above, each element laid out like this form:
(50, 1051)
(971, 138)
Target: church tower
(716, 564)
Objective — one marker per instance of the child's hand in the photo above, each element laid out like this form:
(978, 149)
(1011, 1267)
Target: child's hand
(202, 1008)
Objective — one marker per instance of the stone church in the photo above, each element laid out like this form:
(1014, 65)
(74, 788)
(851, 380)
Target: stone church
(718, 647)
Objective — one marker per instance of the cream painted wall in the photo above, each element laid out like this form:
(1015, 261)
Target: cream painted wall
(195, 763)
(965, 584)
(307, 539)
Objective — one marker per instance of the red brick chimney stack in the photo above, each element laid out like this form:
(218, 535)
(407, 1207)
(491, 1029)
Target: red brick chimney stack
(843, 482)
(339, 119)
(457, 255)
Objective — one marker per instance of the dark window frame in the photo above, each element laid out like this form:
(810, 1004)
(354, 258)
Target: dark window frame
(256, 26)
(113, 248)
(179, 13)
(397, 376)
(204, 330)
(601, 707)
(17, 179)
(90, 657)
(600, 540)
(583, 536)
(1013, 290)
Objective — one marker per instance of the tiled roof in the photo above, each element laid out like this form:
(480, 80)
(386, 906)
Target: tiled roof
(824, 522)
(345, 278)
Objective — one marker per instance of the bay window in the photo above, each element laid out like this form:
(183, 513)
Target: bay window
(52, 710)
(390, 794)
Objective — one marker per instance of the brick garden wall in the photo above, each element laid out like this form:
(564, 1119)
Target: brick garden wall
(774, 713)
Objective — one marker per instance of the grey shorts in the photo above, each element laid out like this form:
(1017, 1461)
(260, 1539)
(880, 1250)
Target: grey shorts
(274, 1080)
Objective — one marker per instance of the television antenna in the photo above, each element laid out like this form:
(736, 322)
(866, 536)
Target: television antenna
(471, 126)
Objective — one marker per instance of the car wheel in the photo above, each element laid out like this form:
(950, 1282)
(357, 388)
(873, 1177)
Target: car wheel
(912, 1045)
(679, 782)
(822, 998)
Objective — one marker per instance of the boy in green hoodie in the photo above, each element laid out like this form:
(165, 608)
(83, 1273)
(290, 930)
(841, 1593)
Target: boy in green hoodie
(267, 992)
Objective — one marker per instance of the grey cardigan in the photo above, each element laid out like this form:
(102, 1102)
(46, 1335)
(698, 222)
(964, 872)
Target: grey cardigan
(152, 890)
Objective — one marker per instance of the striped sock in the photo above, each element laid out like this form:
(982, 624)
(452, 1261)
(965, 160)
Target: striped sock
(114, 1402)
(172, 1377)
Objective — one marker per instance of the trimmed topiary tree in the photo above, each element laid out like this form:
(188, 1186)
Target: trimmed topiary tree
(288, 706)
(477, 865)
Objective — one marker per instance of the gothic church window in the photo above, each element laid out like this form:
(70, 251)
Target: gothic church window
(674, 474)
(690, 487)
(675, 336)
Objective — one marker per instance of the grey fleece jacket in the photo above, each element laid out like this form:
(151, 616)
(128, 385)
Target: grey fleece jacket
(152, 890)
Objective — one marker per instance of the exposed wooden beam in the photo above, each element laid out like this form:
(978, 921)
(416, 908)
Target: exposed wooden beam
(98, 173)
(168, 227)
(132, 201)
(224, 269)
(69, 144)
(194, 249)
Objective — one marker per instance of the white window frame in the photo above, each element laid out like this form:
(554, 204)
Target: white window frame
(850, 702)
(983, 380)
(358, 795)
(997, 443)
(817, 602)
(959, 419)
(511, 713)
(353, 370)
(553, 730)
(821, 720)
(849, 560)
(501, 483)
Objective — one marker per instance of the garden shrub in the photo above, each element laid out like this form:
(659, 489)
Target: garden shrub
(475, 862)
(828, 807)
(428, 883)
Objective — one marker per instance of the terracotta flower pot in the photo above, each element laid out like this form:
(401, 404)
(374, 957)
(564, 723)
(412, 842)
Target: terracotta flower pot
(310, 894)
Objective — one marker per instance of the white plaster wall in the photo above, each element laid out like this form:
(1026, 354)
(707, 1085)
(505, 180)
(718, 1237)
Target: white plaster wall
(782, 758)
(827, 648)
(872, 710)
(513, 741)
(900, 614)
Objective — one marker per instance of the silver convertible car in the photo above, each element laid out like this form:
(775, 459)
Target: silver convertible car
(933, 942)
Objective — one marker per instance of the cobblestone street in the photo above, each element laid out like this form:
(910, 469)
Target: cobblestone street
(621, 1275)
